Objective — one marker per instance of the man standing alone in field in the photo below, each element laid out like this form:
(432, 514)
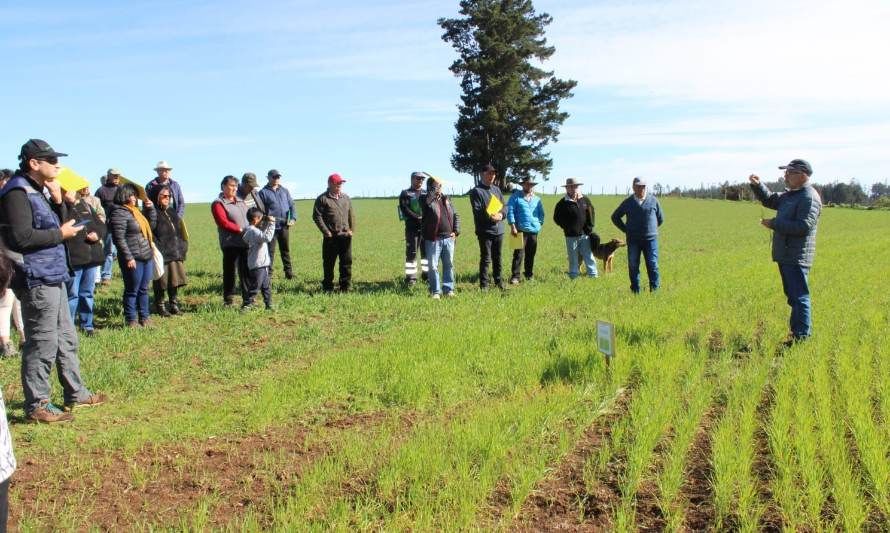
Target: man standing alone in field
(488, 216)
(333, 215)
(794, 239)
(643, 217)
(411, 202)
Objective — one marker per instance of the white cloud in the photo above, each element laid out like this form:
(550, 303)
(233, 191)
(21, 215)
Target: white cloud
(724, 51)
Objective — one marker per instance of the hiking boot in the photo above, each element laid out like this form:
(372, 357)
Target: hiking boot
(92, 401)
(145, 322)
(47, 413)
(133, 324)
(173, 306)
(161, 309)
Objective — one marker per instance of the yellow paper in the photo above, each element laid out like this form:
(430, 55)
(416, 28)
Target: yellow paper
(516, 241)
(71, 181)
(140, 190)
(185, 231)
(494, 206)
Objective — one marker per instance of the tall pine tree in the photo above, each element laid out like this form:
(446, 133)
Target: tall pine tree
(509, 109)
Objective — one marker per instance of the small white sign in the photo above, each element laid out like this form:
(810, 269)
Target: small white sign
(605, 338)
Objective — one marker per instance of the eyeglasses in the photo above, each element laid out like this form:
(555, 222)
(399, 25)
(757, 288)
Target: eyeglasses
(52, 160)
(163, 196)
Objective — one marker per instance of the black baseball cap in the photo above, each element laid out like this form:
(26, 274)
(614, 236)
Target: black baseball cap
(799, 165)
(38, 149)
(273, 174)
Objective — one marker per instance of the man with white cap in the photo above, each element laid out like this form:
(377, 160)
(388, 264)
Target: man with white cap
(153, 187)
(794, 239)
(575, 215)
(641, 214)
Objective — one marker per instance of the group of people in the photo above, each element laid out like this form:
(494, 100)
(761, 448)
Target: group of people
(56, 246)
(432, 226)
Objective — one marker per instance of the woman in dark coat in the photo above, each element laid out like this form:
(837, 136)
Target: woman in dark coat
(86, 253)
(131, 232)
(171, 241)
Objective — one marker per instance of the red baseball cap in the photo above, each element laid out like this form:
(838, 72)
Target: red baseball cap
(336, 179)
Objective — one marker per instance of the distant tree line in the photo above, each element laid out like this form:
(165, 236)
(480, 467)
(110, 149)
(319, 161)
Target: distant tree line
(836, 193)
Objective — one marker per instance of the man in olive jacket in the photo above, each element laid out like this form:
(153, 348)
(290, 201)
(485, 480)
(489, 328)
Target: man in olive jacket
(333, 215)
(794, 239)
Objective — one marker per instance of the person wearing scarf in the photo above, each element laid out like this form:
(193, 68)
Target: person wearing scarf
(132, 236)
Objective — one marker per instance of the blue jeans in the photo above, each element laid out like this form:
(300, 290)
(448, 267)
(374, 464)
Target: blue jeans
(649, 249)
(797, 290)
(136, 282)
(580, 247)
(110, 252)
(443, 248)
(80, 296)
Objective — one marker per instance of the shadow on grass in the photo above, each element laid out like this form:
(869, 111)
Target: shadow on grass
(568, 370)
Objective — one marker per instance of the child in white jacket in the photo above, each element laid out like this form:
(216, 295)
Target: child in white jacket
(258, 235)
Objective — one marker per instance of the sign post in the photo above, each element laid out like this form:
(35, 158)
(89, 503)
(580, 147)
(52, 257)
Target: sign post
(605, 339)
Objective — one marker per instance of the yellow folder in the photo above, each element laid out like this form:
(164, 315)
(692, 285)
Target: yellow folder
(516, 241)
(71, 181)
(494, 205)
(140, 190)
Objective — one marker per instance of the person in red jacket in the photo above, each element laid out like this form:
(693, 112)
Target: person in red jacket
(230, 214)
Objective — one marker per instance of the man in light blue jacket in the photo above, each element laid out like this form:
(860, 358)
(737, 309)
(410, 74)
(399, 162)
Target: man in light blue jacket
(525, 214)
(794, 239)
(642, 217)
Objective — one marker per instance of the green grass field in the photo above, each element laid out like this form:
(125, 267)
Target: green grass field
(386, 410)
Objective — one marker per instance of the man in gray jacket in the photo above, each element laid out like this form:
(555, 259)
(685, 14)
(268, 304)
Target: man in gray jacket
(333, 215)
(794, 239)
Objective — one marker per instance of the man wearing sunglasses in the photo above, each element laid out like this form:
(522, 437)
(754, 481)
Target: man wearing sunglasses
(35, 237)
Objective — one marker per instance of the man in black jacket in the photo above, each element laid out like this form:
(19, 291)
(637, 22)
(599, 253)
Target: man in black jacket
(574, 214)
(35, 237)
(489, 211)
(411, 211)
(441, 226)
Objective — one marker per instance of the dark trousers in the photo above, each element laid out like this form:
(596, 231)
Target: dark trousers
(258, 281)
(136, 282)
(4, 504)
(413, 245)
(234, 258)
(282, 237)
(527, 252)
(490, 253)
(649, 249)
(333, 248)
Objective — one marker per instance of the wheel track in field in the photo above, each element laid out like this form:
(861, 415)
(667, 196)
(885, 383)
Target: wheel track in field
(553, 504)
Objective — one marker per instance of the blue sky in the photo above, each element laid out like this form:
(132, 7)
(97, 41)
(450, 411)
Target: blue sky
(683, 92)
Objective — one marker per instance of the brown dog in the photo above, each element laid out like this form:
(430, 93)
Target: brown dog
(606, 252)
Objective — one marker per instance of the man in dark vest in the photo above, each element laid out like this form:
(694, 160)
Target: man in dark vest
(35, 238)
(410, 210)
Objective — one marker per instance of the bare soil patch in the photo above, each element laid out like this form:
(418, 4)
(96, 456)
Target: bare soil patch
(162, 484)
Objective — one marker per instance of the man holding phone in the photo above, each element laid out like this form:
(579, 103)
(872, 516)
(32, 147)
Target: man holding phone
(35, 237)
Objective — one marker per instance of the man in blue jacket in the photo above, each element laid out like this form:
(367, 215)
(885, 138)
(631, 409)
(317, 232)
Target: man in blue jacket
(32, 229)
(280, 205)
(794, 239)
(642, 216)
(525, 214)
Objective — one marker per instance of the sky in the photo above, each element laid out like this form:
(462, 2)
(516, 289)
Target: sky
(681, 92)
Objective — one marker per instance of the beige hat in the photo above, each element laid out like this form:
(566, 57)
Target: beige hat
(162, 165)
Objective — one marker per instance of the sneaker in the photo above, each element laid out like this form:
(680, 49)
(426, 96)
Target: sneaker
(450, 294)
(47, 413)
(246, 308)
(92, 401)
(89, 333)
(514, 281)
(435, 296)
